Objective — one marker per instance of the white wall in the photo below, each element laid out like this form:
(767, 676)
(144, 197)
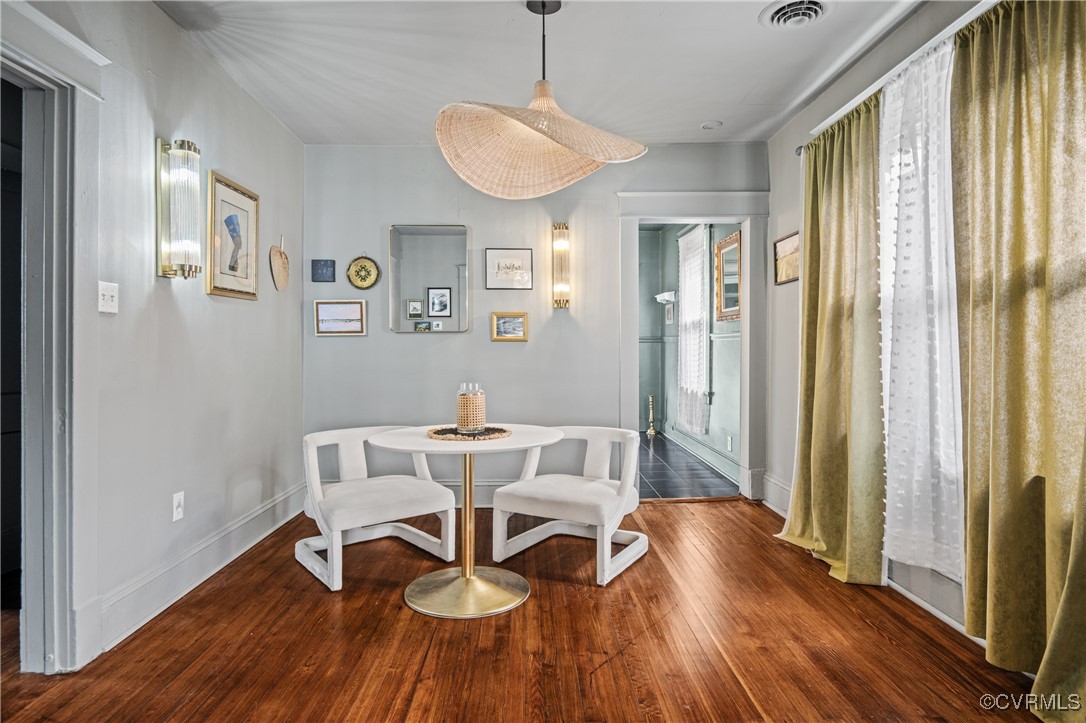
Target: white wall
(569, 370)
(786, 216)
(186, 391)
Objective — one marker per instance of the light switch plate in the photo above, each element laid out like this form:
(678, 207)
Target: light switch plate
(107, 297)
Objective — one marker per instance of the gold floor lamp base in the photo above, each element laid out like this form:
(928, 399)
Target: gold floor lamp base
(448, 594)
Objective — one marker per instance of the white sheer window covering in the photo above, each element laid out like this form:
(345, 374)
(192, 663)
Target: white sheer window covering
(921, 386)
(693, 331)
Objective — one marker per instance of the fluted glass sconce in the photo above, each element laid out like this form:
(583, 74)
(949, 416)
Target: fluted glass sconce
(178, 201)
(560, 265)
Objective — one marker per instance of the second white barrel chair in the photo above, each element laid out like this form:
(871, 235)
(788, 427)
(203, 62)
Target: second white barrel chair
(590, 504)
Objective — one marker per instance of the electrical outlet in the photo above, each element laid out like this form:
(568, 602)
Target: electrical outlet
(107, 297)
(729, 443)
(178, 505)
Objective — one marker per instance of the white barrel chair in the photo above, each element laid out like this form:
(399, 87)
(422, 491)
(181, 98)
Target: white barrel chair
(590, 504)
(360, 508)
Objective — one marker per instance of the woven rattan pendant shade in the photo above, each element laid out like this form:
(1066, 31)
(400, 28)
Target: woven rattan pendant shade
(518, 153)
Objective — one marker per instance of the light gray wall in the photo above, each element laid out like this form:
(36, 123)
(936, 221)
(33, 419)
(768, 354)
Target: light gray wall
(569, 370)
(786, 216)
(189, 392)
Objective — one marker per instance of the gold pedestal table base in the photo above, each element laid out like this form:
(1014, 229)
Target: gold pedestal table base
(467, 591)
(448, 594)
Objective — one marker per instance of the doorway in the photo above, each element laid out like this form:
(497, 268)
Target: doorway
(678, 462)
(11, 331)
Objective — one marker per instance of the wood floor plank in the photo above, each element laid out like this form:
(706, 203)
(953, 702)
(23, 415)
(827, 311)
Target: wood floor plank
(719, 621)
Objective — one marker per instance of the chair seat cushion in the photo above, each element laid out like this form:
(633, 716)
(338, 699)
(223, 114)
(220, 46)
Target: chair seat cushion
(358, 503)
(562, 497)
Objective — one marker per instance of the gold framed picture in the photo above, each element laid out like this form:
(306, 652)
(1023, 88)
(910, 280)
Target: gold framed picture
(339, 318)
(508, 326)
(232, 238)
(786, 259)
(726, 263)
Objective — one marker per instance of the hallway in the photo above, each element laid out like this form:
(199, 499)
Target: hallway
(667, 470)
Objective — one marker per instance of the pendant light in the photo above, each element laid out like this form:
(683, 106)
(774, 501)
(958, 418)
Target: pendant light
(517, 153)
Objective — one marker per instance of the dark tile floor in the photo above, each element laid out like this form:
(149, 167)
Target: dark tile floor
(668, 470)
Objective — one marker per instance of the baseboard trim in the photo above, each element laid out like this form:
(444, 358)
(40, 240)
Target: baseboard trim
(130, 606)
(750, 483)
(778, 494)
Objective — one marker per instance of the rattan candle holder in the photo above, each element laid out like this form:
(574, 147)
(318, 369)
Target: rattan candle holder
(470, 408)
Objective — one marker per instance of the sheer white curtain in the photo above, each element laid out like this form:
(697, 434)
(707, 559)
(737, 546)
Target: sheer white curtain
(920, 373)
(693, 331)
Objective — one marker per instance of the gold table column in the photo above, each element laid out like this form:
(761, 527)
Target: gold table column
(467, 591)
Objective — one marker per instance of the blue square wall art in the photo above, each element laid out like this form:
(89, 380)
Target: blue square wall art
(324, 270)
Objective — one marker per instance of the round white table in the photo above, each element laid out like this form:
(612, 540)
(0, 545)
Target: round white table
(467, 591)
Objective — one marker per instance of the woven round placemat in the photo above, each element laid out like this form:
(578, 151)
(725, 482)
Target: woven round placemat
(449, 434)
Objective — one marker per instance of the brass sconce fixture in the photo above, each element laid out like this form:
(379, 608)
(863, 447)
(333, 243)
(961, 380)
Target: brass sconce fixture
(560, 265)
(178, 204)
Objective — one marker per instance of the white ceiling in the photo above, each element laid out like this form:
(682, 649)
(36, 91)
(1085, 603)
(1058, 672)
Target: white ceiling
(377, 73)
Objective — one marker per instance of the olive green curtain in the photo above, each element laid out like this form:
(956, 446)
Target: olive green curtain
(837, 494)
(1019, 161)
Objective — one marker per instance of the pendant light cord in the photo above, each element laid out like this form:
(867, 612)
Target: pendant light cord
(544, 16)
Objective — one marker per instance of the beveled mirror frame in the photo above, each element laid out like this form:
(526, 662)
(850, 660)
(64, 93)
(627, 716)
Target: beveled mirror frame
(398, 302)
(732, 312)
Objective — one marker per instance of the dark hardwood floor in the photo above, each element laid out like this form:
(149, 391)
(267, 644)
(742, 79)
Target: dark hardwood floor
(719, 621)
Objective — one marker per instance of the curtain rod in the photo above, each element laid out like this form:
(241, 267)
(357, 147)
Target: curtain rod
(972, 14)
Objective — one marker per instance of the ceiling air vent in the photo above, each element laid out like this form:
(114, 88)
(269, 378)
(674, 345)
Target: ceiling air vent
(794, 14)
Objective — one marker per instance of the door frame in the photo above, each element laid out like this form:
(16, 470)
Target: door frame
(60, 626)
(45, 633)
(751, 210)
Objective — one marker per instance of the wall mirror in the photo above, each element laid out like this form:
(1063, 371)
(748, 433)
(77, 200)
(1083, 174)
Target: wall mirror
(428, 279)
(726, 262)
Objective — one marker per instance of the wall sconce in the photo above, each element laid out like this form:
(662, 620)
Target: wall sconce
(178, 204)
(560, 265)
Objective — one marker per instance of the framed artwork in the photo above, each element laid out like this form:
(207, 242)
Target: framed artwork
(669, 313)
(422, 326)
(339, 318)
(414, 309)
(508, 326)
(726, 265)
(786, 259)
(231, 238)
(439, 299)
(323, 270)
(508, 268)
(438, 326)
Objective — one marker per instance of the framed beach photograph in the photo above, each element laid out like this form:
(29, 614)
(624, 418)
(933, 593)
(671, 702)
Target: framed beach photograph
(439, 301)
(786, 259)
(508, 268)
(422, 326)
(508, 326)
(339, 318)
(231, 238)
(414, 309)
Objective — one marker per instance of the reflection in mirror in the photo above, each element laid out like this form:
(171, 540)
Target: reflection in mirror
(726, 261)
(428, 279)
